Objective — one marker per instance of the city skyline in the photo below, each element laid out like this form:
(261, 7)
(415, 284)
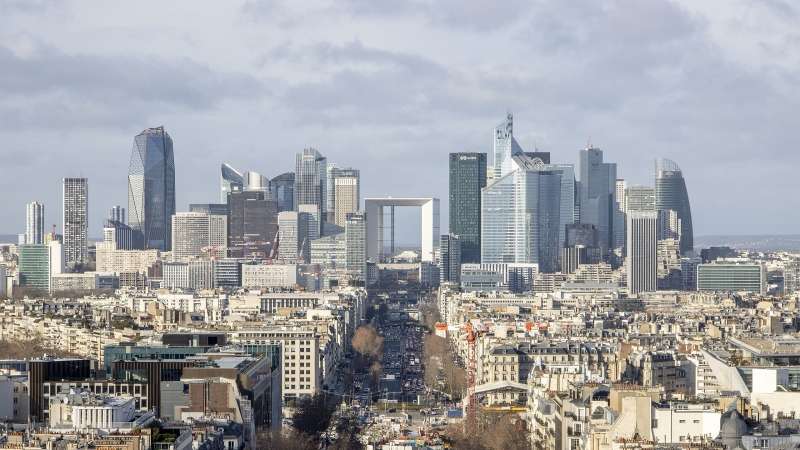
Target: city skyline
(679, 108)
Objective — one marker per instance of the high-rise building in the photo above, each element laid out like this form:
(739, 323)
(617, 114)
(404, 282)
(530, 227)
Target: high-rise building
(122, 237)
(597, 184)
(254, 181)
(346, 193)
(311, 214)
(671, 194)
(619, 214)
(521, 216)
(732, 276)
(669, 224)
(230, 180)
(219, 209)
(450, 259)
(38, 263)
(567, 209)
(641, 251)
(194, 232)
(292, 232)
(34, 223)
(282, 189)
(117, 214)
(252, 224)
(151, 187)
(355, 231)
(505, 147)
(76, 221)
(467, 178)
(640, 198)
(310, 181)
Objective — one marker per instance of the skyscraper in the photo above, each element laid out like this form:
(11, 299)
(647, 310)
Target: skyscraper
(597, 184)
(292, 231)
(355, 231)
(521, 216)
(467, 178)
(230, 180)
(151, 187)
(641, 244)
(505, 147)
(34, 223)
(76, 221)
(671, 194)
(450, 259)
(192, 232)
(252, 224)
(344, 195)
(310, 185)
(282, 189)
(640, 198)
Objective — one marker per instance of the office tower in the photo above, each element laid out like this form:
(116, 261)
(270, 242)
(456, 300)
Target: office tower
(310, 184)
(355, 233)
(122, 237)
(521, 216)
(567, 209)
(467, 178)
(38, 263)
(252, 224)
(117, 214)
(597, 184)
(254, 181)
(580, 247)
(151, 187)
(505, 147)
(330, 191)
(192, 233)
(292, 232)
(619, 214)
(312, 215)
(345, 194)
(227, 273)
(230, 180)
(668, 258)
(641, 246)
(689, 272)
(34, 223)
(76, 221)
(282, 189)
(671, 194)
(669, 225)
(450, 259)
(640, 198)
(219, 209)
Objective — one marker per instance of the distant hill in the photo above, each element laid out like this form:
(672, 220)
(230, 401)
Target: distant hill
(762, 243)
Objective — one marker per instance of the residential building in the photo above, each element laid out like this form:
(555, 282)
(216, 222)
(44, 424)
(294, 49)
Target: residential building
(76, 221)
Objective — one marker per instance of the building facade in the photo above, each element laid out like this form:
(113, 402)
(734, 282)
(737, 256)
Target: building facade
(34, 223)
(467, 178)
(76, 221)
(671, 194)
(641, 257)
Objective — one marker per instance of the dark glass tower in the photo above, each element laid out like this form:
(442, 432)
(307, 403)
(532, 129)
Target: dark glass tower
(597, 186)
(252, 224)
(671, 194)
(282, 189)
(151, 187)
(467, 178)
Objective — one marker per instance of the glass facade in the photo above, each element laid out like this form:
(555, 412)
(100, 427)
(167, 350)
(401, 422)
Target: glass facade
(597, 185)
(34, 266)
(467, 178)
(151, 187)
(282, 189)
(671, 194)
(252, 224)
(310, 182)
(230, 181)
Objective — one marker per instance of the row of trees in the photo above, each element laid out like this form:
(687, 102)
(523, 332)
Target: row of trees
(368, 345)
(439, 365)
(31, 348)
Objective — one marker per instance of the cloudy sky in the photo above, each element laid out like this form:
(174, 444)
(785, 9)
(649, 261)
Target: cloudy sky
(392, 87)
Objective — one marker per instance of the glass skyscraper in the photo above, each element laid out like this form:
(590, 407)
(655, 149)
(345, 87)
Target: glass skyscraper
(521, 216)
(282, 189)
(597, 185)
(231, 180)
(505, 147)
(151, 187)
(467, 178)
(310, 181)
(671, 194)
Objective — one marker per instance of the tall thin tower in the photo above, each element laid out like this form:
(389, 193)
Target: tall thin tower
(34, 223)
(76, 221)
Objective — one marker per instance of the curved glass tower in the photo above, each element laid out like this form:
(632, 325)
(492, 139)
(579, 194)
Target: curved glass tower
(671, 194)
(230, 181)
(151, 187)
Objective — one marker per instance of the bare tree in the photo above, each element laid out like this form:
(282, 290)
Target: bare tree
(368, 342)
(286, 439)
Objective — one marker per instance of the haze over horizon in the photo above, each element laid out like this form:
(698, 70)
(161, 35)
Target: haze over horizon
(393, 88)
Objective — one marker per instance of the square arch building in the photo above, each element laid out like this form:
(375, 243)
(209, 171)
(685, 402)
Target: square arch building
(429, 224)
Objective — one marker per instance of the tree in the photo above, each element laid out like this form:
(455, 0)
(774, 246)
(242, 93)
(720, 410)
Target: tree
(367, 341)
(287, 439)
(313, 415)
(375, 371)
(491, 432)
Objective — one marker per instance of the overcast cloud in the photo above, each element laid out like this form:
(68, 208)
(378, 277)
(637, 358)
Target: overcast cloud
(393, 87)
